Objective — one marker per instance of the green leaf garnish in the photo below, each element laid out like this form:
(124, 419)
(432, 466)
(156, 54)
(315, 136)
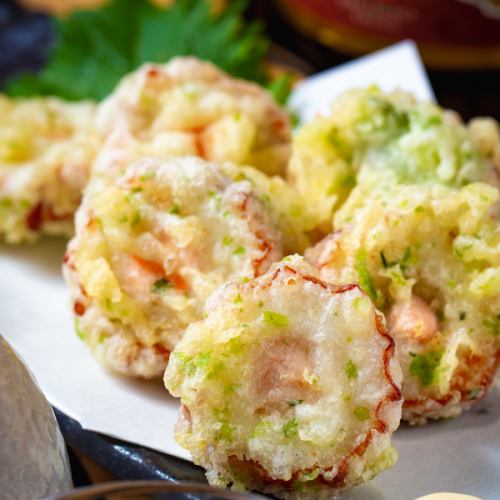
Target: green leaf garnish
(95, 48)
(275, 319)
(281, 88)
(239, 251)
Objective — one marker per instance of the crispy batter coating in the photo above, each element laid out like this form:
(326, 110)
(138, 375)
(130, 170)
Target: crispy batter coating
(46, 151)
(152, 246)
(416, 142)
(428, 256)
(192, 107)
(288, 385)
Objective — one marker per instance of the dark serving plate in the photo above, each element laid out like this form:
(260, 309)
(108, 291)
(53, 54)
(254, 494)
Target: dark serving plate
(126, 460)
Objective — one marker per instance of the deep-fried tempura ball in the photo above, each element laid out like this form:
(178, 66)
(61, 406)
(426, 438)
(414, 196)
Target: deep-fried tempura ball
(193, 106)
(416, 142)
(152, 246)
(46, 151)
(429, 258)
(289, 385)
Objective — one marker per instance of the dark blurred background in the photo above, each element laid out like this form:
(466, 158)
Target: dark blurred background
(458, 39)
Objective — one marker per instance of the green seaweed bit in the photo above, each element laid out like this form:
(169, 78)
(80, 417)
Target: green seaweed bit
(309, 476)
(424, 366)
(226, 432)
(79, 332)
(147, 176)
(440, 315)
(291, 427)
(275, 319)
(365, 279)
(351, 370)
(231, 388)
(262, 428)
(349, 181)
(136, 189)
(161, 286)
(408, 259)
(227, 240)
(493, 324)
(362, 413)
(475, 393)
(239, 251)
(199, 362)
(136, 219)
(260, 303)
(334, 138)
(175, 210)
(384, 260)
(462, 315)
(294, 402)
(202, 363)
(6, 203)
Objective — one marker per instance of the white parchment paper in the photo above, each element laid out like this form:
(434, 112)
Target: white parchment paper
(461, 455)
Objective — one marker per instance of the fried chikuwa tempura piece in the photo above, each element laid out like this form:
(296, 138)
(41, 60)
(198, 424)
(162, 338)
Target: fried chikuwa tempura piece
(190, 107)
(392, 134)
(46, 151)
(289, 385)
(152, 246)
(429, 258)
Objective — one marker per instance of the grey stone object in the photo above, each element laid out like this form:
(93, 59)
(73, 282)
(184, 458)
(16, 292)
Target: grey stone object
(33, 459)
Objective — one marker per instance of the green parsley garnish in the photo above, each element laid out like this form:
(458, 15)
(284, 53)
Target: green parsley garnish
(95, 48)
(275, 319)
(424, 366)
(227, 240)
(239, 251)
(159, 287)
